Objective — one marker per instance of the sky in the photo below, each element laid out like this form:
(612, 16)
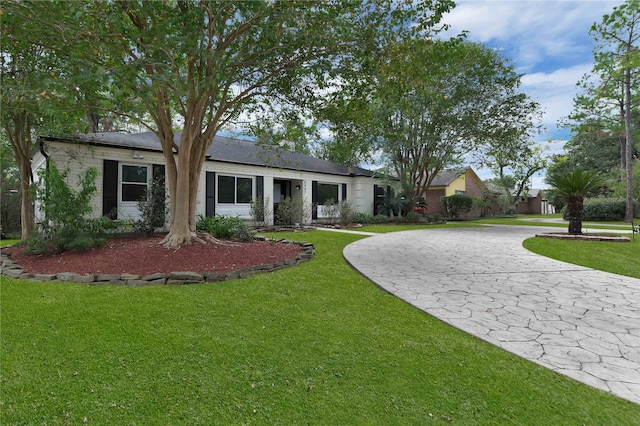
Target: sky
(548, 41)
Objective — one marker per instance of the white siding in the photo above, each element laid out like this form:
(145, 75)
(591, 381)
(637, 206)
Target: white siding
(79, 157)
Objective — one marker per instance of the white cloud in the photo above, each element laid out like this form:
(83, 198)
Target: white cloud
(554, 90)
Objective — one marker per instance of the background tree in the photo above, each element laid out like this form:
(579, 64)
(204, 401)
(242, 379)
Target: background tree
(203, 62)
(41, 89)
(428, 104)
(611, 90)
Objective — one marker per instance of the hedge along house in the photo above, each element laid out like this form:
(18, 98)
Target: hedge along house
(235, 173)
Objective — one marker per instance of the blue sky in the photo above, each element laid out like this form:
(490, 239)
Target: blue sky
(547, 40)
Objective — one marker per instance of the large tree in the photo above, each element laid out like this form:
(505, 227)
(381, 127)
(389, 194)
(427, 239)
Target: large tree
(428, 104)
(201, 63)
(611, 90)
(42, 89)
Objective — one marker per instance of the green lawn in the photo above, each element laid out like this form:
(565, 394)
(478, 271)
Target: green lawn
(314, 344)
(618, 258)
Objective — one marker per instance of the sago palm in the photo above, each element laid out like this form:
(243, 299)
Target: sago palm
(573, 186)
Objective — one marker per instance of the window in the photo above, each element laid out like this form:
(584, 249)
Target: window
(458, 192)
(244, 190)
(226, 189)
(235, 190)
(134, 182)
(326, 192)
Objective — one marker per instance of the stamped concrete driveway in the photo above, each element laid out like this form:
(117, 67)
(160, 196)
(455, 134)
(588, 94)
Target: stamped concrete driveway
(577, 321)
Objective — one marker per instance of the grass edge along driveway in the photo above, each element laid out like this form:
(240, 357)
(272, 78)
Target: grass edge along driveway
(315, 344)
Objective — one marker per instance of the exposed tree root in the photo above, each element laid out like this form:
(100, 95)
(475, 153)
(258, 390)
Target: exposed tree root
(214, 240)
(175, 241)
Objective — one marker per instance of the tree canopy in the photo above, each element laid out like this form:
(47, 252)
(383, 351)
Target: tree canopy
(427, 104)
(609, 96)
(203, 62)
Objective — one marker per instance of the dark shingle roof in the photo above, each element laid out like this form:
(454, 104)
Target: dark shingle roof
(445, 177)
(226, 150)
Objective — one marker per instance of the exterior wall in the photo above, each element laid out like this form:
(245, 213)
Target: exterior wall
(529, 205)
(459, 184)
(79, 157)
(360, 193)
(433, 200)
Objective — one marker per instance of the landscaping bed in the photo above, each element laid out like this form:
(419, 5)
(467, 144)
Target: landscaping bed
(132, 260)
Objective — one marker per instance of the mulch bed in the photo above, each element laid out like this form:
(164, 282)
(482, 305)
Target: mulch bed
(145, 256)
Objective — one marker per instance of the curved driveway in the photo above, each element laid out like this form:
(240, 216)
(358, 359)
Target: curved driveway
(577, 321)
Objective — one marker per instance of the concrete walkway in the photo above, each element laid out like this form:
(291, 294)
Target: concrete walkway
(577, 321)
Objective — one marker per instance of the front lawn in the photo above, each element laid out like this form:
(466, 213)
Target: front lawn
(314, 344)
(618, 258)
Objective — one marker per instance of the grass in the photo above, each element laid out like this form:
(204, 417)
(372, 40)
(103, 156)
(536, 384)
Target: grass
(617, 258)
(386, 227)
(314, 344)
(4, 243)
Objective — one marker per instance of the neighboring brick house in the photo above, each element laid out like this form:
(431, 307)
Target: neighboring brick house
(535, 202)
(449, 182)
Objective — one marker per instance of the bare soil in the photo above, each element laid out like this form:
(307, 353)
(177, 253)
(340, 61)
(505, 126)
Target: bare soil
(145, 256)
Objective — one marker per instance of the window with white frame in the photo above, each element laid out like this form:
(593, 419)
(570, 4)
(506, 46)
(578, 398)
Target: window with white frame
(134, 182)
(235, 190)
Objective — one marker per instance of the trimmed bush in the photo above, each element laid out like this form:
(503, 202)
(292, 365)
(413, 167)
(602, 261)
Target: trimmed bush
(457, 204)
(604, 209)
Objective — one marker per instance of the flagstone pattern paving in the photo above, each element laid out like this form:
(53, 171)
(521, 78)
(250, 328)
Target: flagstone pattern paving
(577, 321)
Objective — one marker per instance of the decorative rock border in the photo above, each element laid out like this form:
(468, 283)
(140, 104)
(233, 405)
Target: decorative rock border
(584, 237)
(13, 270)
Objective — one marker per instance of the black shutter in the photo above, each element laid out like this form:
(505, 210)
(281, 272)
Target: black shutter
(259, 186)
(314, 199)
(210, 204)
(344, 191)
(110, 189)
(375, 200)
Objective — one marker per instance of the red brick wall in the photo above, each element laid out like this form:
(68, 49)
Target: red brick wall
(433, 201)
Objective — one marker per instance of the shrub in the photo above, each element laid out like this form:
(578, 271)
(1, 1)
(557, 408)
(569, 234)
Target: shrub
(434, 218)
(225, 227)
(66, 226)
(153, 208)
(457, 204)
(413, 217)
(345, 212)
(362, 218)
(260, 209)
(381, 218)
(292, 211)
(604, 209)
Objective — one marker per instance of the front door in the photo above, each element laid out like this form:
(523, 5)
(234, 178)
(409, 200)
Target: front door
(281, 190)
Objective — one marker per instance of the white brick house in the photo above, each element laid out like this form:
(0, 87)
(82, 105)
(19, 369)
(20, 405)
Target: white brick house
(235, 173)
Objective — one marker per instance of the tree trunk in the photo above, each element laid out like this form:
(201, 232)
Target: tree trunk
(575, 207)
(18, 129)
(27, 216)
(179, 229)
(628, 215)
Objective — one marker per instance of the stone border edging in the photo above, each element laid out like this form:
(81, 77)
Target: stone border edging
(13, 270)
(583, 237)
